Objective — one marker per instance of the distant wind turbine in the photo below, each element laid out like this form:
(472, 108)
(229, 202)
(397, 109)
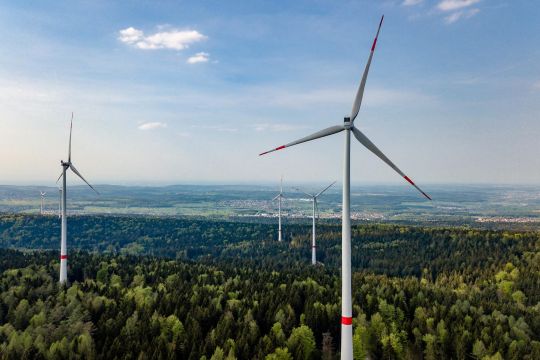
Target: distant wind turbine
(348, 127)
(42, 193)
(315, 208)
(278, 198)
(63, 242)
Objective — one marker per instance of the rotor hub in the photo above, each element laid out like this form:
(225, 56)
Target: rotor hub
(347, 123)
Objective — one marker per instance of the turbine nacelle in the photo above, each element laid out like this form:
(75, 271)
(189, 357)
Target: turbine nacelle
(347, 123)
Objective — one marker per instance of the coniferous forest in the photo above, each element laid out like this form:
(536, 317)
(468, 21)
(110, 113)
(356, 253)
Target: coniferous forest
(143, 288)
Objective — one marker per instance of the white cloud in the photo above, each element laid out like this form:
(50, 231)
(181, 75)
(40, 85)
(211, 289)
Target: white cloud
(152, 125)
(130, 35)
(450, 5)
(171, 39)
(465, 14)
(198, 58)
(411, 2)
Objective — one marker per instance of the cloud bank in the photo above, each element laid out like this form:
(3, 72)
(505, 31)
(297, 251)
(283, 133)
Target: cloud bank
(152, 125)
(450, 5)
(452, 18)
(172, 39)
(411, 2)
(200, 57)
(458, 9)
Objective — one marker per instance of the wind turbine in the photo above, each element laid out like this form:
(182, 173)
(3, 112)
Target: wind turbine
(348, 127)
(63, 242)
(42, 193)
(315, 207)
(278, 198)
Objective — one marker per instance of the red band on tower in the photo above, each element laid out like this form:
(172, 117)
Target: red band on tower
(63, 257)
(345, 320)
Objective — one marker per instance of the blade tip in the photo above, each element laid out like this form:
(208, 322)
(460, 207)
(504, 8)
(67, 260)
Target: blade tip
(375, 40)
(269, 151)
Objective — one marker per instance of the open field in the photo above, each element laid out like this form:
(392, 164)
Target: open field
(474, 205)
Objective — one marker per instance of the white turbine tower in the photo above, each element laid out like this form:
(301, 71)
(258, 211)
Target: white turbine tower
(42, 193)
(315, 208)
(59, 202)
(278, 198)
(63, 242)
(348, 127)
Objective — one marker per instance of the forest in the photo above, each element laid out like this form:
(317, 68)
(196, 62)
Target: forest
(144, 288)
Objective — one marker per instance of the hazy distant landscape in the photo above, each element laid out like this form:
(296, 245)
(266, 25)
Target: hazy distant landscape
(476, 205)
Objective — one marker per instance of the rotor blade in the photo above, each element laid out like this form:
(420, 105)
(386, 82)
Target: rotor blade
(70, 129)
(371, 147)
(326, 188)
(328, 131)
(303, 192)
(62, 173)
(83, 179)
(360, 92)
(276, 197)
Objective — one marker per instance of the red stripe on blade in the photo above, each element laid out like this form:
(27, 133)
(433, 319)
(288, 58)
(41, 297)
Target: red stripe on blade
(269, 151)
(374, 44)
(63, 257)
(409, 180)
(345, 320)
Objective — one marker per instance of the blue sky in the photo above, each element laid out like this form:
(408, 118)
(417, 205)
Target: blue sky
(187, 91)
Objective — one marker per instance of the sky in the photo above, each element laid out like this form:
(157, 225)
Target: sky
(172, 92)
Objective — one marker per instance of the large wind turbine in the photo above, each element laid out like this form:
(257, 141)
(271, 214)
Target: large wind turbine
(63, 242)
(42, 193)
(348, 127)
(278, 198)
(315, 208)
